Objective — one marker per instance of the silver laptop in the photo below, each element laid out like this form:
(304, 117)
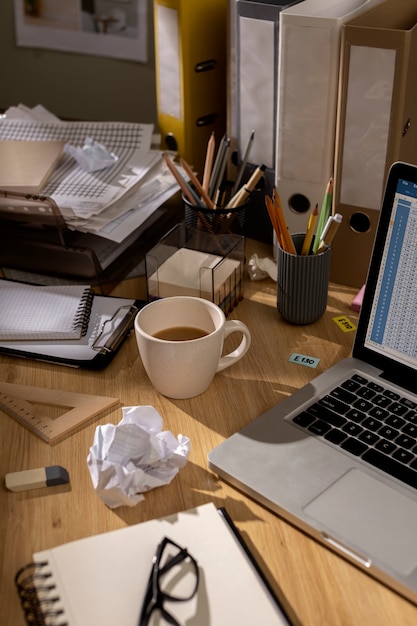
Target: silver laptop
(339, 457)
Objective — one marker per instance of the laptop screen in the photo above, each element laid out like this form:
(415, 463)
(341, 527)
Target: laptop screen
(392, 328)
(387, 329)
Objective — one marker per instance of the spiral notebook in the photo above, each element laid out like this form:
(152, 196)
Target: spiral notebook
(31, 312)
(102, 580)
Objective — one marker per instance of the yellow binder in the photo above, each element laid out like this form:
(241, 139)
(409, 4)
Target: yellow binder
(190, 57)
(375, 126)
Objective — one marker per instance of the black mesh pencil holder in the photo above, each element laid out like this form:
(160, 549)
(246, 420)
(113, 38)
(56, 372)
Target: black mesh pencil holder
(217, 221)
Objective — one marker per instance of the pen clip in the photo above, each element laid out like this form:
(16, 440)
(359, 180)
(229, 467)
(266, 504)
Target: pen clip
(109, 339)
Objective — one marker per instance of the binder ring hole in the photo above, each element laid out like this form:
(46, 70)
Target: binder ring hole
(360, 223)
(299, 203)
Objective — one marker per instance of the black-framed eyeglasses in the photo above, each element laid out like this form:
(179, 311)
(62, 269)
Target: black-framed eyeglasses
(174, 578)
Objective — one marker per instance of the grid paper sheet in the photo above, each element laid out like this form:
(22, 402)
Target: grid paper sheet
(87, 194)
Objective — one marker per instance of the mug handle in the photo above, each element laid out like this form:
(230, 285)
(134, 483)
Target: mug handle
(233, 326)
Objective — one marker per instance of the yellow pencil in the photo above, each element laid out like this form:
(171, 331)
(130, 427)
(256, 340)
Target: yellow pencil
(287, 239)
(312, 223)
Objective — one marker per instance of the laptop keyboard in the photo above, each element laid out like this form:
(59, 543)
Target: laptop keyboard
(370, 422)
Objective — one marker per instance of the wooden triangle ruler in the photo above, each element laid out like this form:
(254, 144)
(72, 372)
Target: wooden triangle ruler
(15, 400)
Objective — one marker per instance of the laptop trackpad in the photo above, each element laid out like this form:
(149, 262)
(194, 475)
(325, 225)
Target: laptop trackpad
(368, 514)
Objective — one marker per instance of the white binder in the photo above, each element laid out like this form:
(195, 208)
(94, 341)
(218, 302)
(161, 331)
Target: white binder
(252, 93)
(309, 59)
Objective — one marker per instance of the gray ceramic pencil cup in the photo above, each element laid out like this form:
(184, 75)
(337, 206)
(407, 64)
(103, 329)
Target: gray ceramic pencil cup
(302, 284)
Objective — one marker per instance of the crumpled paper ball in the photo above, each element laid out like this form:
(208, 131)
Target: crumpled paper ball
(134, 456)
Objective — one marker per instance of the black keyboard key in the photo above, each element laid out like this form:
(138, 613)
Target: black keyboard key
(391, 394)
(368, 437)
(350, 385)
(319, 427)
(335, 405)
(397, 408)
(335, 436)
(360, 379)
(404, 456)
(303, 419)
(343, 395)
(391, 466)
(363, 405)
(381, 401)
(388, 432)
(320, 412)
(379, 413)
(411, 416)
(408, 403)
(405, 441)
(354, 446)
(372, 424)
(352, 429)
(356, 416)
(385, 446)
(395, 421)
(410, 429)
(375, 387)
(365, 392)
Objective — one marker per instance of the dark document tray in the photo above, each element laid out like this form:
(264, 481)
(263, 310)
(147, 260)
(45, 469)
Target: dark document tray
(35, 238)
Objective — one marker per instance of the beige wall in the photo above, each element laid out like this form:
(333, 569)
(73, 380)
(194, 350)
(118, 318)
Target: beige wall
(73, 85)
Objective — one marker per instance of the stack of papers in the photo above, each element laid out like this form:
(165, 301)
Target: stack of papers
(110, 202)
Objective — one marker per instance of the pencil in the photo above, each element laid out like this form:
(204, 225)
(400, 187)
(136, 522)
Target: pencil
(274, 221)
(213, 184)
(326, 209)
(198, 187)
(245, 191)
(208, 164)
(312, 223)
(243, 162)
(186, 189)
(286, 237)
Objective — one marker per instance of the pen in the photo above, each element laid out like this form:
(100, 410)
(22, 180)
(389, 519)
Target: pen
(245, 191)
(188, 192)
(285, 233)
(198, 187)
(325, 213)
(243, 163)
(222, 167)
(329, 231)
(214, 178)
(312, 222)
(208, 164)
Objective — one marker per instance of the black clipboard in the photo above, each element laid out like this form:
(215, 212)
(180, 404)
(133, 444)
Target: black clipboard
(111, 320)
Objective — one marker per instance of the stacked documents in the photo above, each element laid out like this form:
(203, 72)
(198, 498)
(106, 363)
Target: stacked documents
(109, 202)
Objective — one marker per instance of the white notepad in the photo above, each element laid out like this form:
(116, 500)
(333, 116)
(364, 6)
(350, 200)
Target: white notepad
(101, 580)
(31, 312)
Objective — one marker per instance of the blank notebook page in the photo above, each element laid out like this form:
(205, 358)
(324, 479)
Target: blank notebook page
(29, 312)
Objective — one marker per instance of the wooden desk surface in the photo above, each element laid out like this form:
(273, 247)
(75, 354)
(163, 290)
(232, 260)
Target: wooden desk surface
(316, 586)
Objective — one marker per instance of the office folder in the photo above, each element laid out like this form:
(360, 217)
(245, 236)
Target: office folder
(190, 58)
(376, 115)
(252, 95)
(310, 35)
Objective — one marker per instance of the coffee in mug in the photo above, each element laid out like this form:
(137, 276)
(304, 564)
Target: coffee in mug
(180, 341)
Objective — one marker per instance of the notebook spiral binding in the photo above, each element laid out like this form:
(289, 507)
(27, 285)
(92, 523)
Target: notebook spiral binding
(38, 598)
(82, 318)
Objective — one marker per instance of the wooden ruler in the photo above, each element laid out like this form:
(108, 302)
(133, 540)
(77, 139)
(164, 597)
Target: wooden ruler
(15, 400)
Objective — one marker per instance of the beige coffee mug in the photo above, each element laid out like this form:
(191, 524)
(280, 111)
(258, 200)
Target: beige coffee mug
(180, 341)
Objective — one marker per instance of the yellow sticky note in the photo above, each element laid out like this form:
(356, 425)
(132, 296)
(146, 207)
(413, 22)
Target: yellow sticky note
(344, 323)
